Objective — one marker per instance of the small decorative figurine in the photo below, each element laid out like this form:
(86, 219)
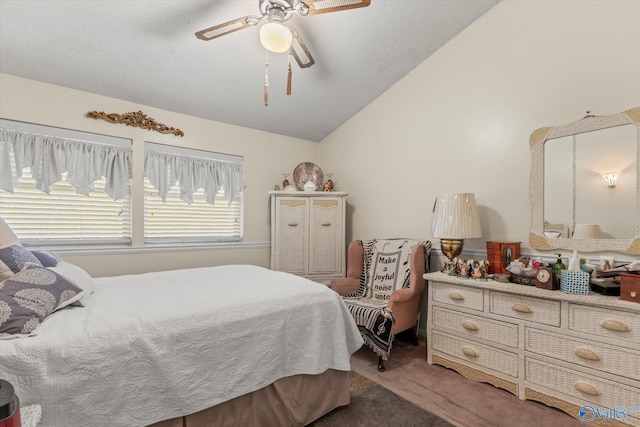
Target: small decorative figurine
(462, 268)
(477, 274)
(328, 186)
(484, 270)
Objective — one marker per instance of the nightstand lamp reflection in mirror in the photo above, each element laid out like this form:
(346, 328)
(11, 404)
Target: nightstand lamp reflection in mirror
(455, 218)
(586, 231)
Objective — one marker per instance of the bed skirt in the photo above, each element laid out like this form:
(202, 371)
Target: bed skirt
(292, 401)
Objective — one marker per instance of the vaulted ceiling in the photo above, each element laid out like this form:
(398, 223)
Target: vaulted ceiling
(146, 52)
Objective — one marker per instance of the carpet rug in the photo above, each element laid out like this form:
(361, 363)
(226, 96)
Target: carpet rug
(373, 405)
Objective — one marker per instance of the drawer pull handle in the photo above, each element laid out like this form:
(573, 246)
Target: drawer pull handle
(587, 389)
(469, 326)
(325, 223)
(521, 308)
(585, 353)
(292, 224)
(615, 325)
(468, 351)
(456, 296)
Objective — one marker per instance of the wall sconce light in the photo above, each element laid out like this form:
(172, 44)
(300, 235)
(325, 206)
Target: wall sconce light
(611, 178)
(455, 218)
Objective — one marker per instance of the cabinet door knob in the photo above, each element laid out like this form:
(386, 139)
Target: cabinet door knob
(615, 325)
(456, 296)
(585, 353)
(587, 389)
(468, 351)
(292, 224)
(469, 325)
(325, 223)
(521, 308)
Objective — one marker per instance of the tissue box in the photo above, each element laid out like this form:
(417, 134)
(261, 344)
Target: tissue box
(574, 282)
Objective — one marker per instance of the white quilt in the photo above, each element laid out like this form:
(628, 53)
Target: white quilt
(160, 345)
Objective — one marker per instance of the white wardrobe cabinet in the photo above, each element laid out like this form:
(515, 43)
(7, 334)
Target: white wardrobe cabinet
(308, 233)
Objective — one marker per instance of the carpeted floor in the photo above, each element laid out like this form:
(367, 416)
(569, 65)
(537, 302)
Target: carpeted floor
(373, 405)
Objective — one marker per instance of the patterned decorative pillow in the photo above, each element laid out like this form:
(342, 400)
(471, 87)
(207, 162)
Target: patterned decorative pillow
(16, 256)
(46, 258)
(31, 295)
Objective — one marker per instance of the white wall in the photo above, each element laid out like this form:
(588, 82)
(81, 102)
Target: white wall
(266, 156)
(461, 121)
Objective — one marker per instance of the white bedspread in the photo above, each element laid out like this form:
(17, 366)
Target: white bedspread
(159, 345)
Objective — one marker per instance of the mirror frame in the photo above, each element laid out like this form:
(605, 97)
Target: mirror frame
(537, 239)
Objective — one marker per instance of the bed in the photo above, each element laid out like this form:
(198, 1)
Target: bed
(228, 345)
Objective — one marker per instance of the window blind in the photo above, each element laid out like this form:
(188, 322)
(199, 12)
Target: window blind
(79, 214)
(64, 217)
(194, 210)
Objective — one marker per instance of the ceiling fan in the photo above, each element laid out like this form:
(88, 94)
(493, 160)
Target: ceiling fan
(275, 36)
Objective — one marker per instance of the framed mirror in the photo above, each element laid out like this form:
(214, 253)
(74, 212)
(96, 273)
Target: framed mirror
(585, 185)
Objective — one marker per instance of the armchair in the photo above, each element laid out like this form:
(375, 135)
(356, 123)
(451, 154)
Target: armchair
(382, 289)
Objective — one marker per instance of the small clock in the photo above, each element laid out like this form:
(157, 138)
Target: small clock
(544, 278)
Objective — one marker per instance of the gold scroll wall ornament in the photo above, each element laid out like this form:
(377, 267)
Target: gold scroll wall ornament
(137, 119)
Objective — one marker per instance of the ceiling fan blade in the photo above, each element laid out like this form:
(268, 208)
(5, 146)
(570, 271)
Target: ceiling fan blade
(228, 27)
(315, 7)
(299, 50)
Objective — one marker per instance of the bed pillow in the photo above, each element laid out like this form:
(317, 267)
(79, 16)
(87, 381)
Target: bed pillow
(28, 297)
(5, 272)
(7, 236)
(77, 276)
(16, 256)
(46, 258)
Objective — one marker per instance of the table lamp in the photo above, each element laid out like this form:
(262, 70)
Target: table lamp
(455, 218)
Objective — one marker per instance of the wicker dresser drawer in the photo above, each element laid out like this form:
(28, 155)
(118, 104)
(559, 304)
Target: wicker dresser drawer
(605, 322)
(585, 388)
(474, 326)
(458, 296)
(478, 354)
(537, 310)
(603, 357)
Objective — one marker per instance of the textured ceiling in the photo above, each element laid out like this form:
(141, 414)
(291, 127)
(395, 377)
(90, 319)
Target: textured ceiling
(146, 52)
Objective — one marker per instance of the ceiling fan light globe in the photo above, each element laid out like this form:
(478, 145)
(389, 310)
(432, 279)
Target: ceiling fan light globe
(275, 37)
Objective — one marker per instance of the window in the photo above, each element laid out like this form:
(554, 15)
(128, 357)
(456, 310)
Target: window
(196, 196)
(60, 187)
(48, 174)
(64, 216)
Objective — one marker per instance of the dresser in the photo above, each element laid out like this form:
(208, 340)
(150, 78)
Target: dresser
(578, 353)
(308, 233)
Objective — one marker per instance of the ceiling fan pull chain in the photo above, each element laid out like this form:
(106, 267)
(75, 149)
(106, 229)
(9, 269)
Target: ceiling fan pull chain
(289, 76)
(266, 78)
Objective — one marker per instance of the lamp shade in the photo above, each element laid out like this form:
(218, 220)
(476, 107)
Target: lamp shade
(455, 216)
(275, 37)
(586, 231)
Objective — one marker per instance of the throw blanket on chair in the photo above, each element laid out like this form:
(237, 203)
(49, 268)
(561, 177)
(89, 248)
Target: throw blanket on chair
(386, 269)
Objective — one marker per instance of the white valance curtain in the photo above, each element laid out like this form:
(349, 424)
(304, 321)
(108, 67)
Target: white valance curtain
(166, 167)
(50, 156)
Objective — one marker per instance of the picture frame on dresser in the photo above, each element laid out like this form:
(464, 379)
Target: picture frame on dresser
(566, 351)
